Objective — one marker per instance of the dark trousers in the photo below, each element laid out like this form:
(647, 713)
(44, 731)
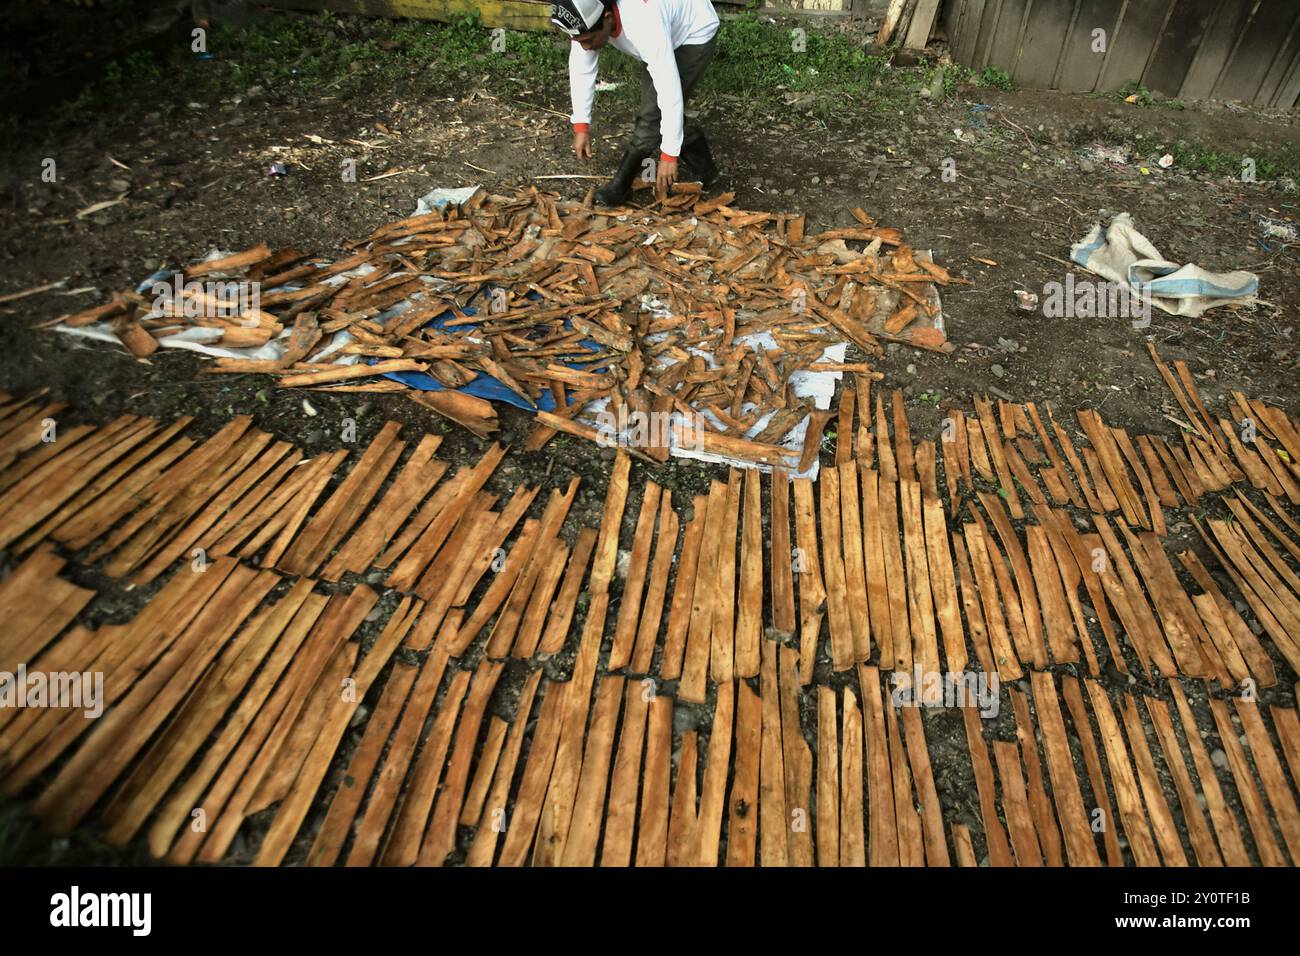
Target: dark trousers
(691, 63)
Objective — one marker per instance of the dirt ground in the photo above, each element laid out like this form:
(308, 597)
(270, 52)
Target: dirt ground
(194, 176)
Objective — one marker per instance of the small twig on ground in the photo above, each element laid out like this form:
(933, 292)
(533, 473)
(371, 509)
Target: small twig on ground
(13, 296)
(1055, 259)
(1075, 209)
(544, 109)
(1021, 130)
(387, 175)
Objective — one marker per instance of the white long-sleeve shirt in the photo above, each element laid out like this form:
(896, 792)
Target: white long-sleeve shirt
(649, 30)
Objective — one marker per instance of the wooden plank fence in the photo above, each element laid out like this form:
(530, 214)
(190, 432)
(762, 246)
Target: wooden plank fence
(1246, 50)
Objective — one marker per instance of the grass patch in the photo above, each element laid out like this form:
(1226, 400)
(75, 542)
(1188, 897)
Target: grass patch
(1144, 97)
(138, 75)
(759, 63)
(1268, 165)
(991, 76)
(1140, 94)
(756, 57)
(957, 75)
(761, 66)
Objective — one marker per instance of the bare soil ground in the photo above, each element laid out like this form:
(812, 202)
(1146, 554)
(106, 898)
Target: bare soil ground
(193, 173)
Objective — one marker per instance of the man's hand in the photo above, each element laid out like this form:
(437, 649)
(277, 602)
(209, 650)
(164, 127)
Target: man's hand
(667, 175)
(582, 144)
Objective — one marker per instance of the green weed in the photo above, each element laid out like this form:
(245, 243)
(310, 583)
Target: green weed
(1214, 162)
(992, 76)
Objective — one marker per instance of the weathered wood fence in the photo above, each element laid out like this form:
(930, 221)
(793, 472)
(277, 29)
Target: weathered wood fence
(1246, 50)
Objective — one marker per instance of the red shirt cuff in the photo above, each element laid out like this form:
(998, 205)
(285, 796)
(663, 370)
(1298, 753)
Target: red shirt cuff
(665, 158)
(581, 127)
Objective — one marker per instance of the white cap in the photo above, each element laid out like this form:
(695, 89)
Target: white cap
(577, 16)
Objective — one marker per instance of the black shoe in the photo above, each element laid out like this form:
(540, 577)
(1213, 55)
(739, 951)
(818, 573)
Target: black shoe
(697, 156)
(615, 192)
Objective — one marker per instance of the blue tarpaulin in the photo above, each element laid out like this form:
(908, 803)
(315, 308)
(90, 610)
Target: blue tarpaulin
(482, 385)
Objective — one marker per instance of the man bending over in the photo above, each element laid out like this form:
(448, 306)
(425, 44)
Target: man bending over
(674, 42)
